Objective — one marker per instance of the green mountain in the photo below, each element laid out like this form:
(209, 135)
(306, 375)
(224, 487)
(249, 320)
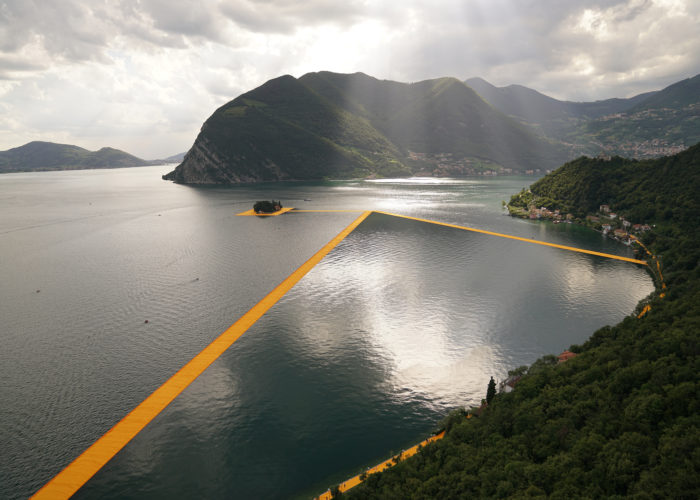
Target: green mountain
(434, 117)
(50, 156)
(648, 125)
(285, 130)
(678, 95)
(546, 113)
(666, 122)
(339, 126)
(535, 107)
(622, 418)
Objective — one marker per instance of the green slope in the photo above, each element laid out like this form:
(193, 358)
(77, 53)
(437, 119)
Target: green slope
(284, 130)
(447, 116)
(552, 116)
(39, 155)
(680, 94)
(622, 419)
(666, 122)
(438, 116)
(648, 125)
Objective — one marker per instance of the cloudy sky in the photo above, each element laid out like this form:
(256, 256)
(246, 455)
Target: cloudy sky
(143, 75)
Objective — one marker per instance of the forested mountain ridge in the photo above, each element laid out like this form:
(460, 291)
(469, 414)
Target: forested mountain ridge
(647, 125)
(284, 130)
(534, 107)
(340, 126)
(660, 190)
(623, 417)
(438, 116)
(39, 155)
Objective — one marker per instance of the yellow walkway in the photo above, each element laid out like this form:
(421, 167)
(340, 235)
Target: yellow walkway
(77, 473)
(647, 307)
(386, 464)
(527, 240)
(279, 212)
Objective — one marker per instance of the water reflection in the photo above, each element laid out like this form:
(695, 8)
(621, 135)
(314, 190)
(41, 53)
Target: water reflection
(401, 322)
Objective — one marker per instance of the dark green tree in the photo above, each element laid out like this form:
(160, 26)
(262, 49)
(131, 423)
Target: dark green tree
(490, 391)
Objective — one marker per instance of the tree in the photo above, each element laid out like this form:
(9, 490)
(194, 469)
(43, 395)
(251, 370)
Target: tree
(490, 391)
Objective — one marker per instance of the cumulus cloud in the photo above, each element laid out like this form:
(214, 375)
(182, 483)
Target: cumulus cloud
(286, 16)
(144, 74)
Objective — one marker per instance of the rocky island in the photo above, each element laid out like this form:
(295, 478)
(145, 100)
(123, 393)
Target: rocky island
(267, 207)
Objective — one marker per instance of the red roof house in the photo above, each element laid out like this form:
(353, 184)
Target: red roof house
(566, 356)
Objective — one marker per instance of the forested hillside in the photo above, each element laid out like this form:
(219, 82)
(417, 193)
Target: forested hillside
(40, 155)
(623, 417)
(647, 125)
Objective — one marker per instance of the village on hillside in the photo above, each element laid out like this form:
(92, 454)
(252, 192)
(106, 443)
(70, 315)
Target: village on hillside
(605, 221)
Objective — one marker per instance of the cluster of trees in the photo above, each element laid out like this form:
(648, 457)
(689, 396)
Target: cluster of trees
(650, 190)
(620, 419)
(267, 207)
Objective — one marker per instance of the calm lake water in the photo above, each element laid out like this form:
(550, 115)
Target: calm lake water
(400, 323)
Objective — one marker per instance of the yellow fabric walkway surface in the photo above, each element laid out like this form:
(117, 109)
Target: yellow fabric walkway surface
(527, 240)
(279, 212)
(78, 472)
(325, 211)
(386, 464)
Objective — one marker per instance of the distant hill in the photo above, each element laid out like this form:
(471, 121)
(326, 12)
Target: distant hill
(535, 108)
(666, 122)
(38, 156)
(174, 158)
(680, 94)
(648, 125)
(329, 125)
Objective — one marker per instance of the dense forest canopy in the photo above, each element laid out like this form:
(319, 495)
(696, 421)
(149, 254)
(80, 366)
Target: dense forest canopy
(620, 419)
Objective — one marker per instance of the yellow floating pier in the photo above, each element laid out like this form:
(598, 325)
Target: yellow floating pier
(527, 240)
(386, 464)
(272, 214)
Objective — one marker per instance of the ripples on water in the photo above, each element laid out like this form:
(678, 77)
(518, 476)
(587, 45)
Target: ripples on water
(401, 322)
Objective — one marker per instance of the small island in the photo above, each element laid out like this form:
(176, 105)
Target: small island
(267, 207)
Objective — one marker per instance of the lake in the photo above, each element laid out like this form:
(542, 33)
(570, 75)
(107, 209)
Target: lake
(114, 279)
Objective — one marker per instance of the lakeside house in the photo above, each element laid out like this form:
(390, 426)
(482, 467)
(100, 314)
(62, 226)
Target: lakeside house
(608, 221)
(509, 384)
(565, 356)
